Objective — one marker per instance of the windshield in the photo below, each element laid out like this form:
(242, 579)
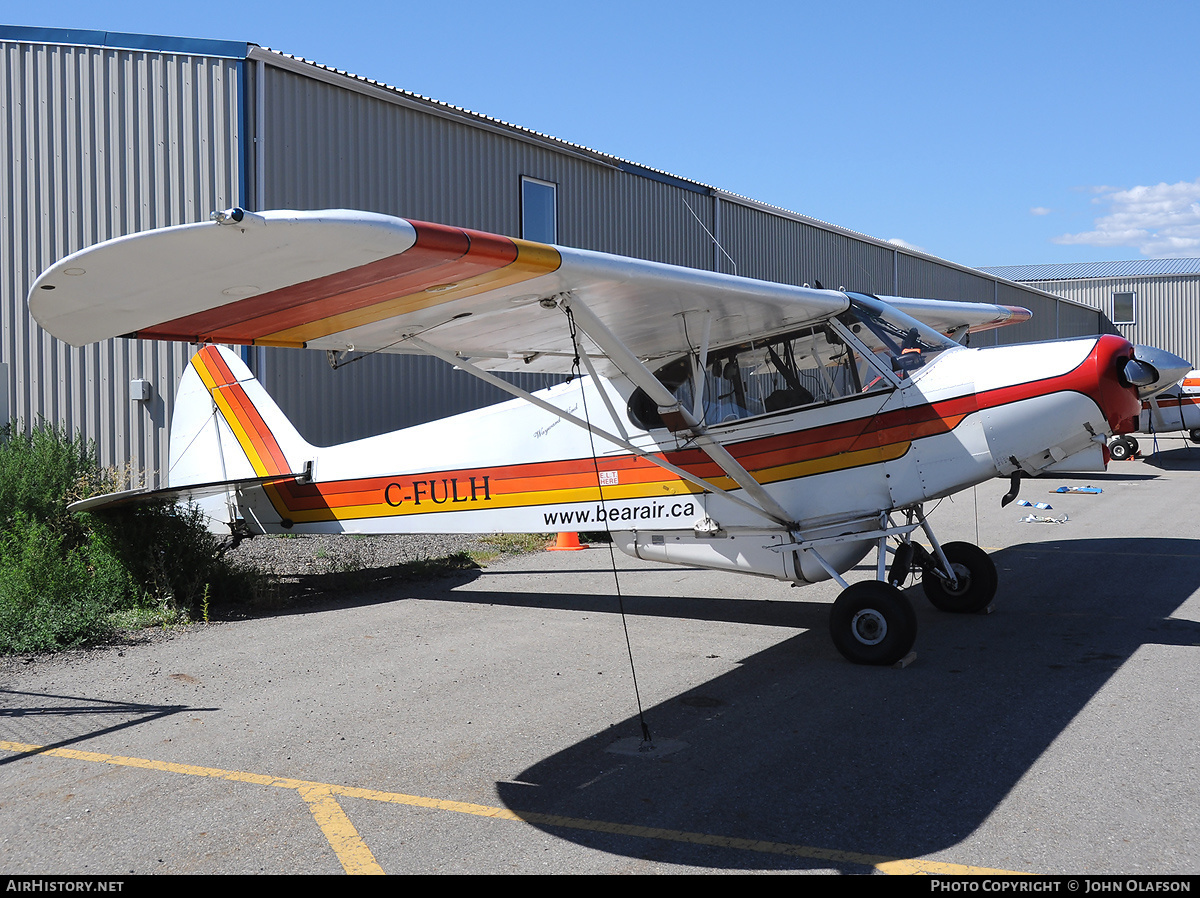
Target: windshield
(902, 344)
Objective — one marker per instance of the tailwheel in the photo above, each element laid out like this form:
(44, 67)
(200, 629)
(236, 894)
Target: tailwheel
(975, 573)
(873, 623)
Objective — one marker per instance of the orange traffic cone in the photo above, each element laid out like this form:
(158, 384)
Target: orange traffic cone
(566, 542)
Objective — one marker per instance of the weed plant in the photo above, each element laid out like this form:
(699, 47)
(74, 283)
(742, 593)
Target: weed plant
(67, 579)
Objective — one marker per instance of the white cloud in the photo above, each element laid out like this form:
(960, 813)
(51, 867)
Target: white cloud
(904, 244)
(1163, 220)
(1040, 210)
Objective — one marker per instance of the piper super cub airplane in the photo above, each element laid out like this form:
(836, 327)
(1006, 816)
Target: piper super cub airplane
(1176, 408)
(724, 422)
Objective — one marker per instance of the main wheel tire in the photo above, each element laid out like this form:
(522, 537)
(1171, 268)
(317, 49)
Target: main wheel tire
(1119, 449)
(873, 623)
(976, 575)
(1194, 435)
(1134, 445)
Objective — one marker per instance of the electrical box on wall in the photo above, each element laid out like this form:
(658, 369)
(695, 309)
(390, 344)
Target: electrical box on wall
(139, 390)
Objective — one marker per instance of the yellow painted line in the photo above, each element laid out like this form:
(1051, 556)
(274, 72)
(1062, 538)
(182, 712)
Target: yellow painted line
(356, 858)
(351, 850)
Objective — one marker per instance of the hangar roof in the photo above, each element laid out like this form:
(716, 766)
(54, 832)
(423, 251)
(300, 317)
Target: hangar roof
(1080, 270)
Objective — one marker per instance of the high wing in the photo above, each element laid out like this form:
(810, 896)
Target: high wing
(362, 282)
(956, 318)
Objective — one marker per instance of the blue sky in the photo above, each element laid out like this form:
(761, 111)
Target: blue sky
(987, 134)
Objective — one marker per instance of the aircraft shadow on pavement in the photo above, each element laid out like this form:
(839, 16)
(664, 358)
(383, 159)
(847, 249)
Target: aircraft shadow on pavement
(1184, 457)
(797, 746)
(56, 721)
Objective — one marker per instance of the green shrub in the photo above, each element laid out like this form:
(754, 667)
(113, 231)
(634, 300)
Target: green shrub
(39, 470)
(49, 598)
(64, 577)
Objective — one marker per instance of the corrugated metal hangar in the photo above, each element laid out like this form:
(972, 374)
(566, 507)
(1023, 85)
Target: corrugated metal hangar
(108, 134)
(1152, 302)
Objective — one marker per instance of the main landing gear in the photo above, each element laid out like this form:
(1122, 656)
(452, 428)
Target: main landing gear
(873, 622)
(1122, 447)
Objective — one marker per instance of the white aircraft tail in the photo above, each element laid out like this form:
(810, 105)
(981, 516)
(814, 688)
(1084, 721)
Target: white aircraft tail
(226, 429)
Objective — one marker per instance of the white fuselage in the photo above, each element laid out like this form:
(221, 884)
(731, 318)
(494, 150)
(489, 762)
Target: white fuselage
(1177, 408)
(836, 468)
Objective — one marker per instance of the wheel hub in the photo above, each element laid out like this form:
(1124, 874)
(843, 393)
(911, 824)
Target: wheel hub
(964, 581)
(869, 626)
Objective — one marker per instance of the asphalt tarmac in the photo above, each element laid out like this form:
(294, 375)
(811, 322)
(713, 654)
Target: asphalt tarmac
(490, 723)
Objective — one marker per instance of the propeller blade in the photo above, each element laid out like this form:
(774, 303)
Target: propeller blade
(1153, 370)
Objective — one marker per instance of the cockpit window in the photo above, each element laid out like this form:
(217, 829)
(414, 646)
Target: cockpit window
(905, 344)
(811, 366)
(802, 368)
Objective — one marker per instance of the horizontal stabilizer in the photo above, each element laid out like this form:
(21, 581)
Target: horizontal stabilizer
(176, 493)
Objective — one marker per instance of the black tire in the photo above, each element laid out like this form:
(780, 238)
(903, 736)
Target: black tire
(976, 575)
(1134, 445)
(1119, 449)
(873, 623)
(1194, 435)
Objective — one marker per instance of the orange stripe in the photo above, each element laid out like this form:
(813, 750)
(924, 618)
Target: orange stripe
(532, 260)
(771, 459)
(470, 262)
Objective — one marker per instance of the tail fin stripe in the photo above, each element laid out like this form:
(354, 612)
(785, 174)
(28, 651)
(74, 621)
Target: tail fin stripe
(239, 412)
(254, 430)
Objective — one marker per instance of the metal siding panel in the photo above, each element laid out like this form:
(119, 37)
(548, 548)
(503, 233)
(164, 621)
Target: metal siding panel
(98, 143)
(777, 248)
(1165, 308)
(333, 148)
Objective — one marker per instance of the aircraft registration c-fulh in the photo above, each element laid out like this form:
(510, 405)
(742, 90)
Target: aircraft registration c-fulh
(1176, 408)
(708, 419)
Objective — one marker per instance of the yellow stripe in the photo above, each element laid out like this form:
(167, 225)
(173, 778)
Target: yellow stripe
(533, 260)
(842, 460)
(351, 850)
(357, 858)
(512, 500)
(216, 391)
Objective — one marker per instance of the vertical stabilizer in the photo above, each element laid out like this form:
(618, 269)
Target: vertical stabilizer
(226, 427)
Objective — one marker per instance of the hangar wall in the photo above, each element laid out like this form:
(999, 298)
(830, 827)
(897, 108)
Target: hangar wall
(108, 134)
(103, 137)
(1165, 296)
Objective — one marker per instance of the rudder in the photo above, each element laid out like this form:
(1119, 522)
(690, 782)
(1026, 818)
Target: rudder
(226, 427)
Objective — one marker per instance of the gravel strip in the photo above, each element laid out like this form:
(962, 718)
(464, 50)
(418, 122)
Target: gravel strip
(293, 556)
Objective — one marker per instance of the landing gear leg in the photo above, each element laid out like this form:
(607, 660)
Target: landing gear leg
(972, 586)
(958, 577)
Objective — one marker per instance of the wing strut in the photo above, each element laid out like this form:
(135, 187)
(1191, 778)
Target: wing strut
(676, 417)
(488, 377)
